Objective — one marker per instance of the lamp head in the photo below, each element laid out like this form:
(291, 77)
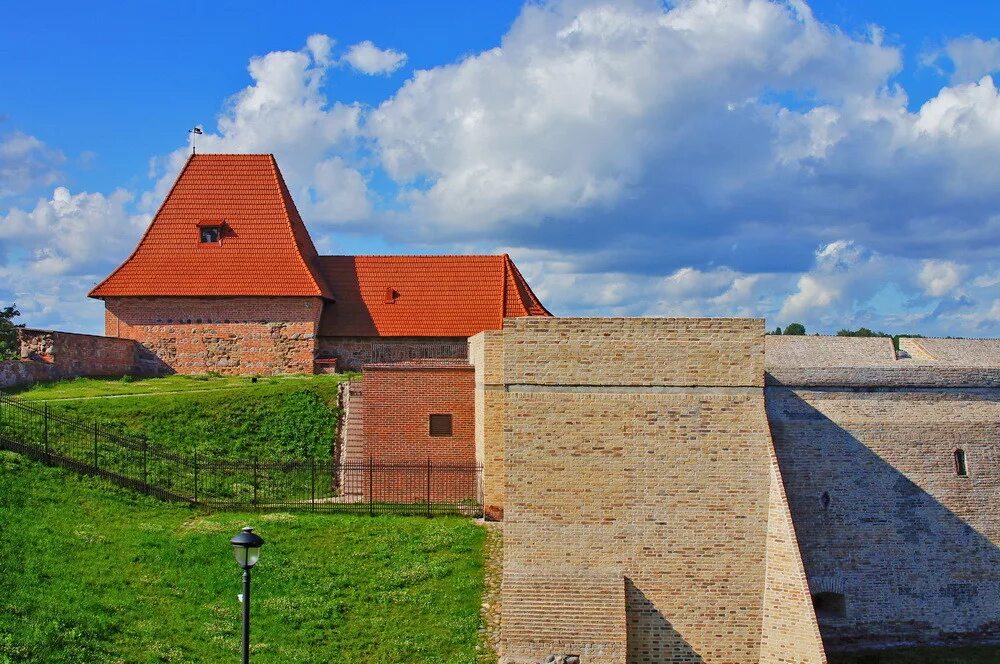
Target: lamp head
(246, 547)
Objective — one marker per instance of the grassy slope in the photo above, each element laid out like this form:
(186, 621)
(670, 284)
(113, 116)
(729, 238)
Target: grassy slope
(92, 573)
(287, 417)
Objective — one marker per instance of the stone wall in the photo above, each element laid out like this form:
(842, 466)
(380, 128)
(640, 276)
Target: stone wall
(238, 335)
(881, 515)
(354, 352)
(639, 495)
(51, 355)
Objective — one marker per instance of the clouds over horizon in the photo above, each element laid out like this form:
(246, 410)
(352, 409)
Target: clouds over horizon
(712, 157)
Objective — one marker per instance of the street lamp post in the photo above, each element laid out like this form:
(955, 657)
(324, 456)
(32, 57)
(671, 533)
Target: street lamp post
(246, 548)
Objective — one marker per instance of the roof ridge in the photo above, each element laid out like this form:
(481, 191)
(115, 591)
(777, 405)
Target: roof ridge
(524, 290)
(149, 228)
(287, 200)
(504, 260)
(411, 256)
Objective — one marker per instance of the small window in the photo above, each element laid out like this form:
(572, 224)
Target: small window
(830, 605)
(440, 425)
(210, 234)
(961, 467)
(391, 295)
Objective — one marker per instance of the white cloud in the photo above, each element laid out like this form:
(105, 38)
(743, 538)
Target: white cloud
(971, 57)
(319, 46)
(584, 106)
(939, 278)
(27, 163)
(843, 270)
(369, 59)
(71, 234)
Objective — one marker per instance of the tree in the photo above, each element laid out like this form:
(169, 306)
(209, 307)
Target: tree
(861, 332)
(795, 328)
(9, 346)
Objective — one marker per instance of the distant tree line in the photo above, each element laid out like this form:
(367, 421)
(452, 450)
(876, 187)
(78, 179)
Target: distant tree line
(9, 346)
(798, 329)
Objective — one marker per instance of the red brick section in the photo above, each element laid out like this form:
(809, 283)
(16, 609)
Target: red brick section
(398, 402)
(239, 335)
(265, 248)
(423, 296)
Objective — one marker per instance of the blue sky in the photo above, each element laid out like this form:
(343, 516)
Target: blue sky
(830, 162)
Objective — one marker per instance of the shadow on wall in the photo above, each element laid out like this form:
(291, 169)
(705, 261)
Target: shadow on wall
(650, 636)
(908, 570)
(149, 363)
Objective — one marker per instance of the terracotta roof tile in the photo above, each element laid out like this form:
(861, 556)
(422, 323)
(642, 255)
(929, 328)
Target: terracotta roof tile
(434, 296)
(265, 249)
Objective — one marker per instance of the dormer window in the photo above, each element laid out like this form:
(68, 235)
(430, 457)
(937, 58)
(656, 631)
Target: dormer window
(210, 234)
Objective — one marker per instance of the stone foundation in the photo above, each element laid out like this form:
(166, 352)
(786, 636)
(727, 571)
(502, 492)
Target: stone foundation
(239, 335)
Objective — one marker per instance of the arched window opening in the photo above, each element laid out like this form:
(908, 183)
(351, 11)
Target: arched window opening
(824, 500)
(830, 605)
(961, 467)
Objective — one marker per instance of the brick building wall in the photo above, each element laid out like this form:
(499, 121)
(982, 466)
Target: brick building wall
(398, 401)
(354, 352)
(230, 335)
(623, 440)
(883, 519)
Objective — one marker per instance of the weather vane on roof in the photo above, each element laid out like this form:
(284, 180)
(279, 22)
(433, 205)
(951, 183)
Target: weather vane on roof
(194, 131)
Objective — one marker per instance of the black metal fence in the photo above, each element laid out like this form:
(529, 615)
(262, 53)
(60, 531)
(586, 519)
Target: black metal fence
(238, 484)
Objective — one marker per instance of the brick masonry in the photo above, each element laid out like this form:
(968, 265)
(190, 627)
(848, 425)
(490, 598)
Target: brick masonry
(486, 354)
(398, 401)
(623, 440)
(354, 352)
(911, 546)
(230, 335)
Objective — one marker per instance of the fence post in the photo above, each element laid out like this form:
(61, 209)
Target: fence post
(371, 487)
(46, 419)
(145, 462)
(96, 434)
(255, 472)
(313, 484)
(428, 486)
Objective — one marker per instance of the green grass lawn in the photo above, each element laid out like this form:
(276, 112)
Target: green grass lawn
(92, 573)
(289, 417)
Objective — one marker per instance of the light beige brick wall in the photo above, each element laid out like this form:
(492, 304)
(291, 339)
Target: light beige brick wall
(637, 456)
(634, 351)
(790, 632)
(486, 355)
(913, 547)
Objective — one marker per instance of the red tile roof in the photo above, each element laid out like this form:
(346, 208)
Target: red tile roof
(265, 248)
(266, 251)
(434, 296)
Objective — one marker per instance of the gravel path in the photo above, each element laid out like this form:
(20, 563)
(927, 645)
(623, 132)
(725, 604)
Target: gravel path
(489, 632)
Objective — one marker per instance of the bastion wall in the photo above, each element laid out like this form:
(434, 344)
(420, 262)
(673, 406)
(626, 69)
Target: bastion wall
(644, 518)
